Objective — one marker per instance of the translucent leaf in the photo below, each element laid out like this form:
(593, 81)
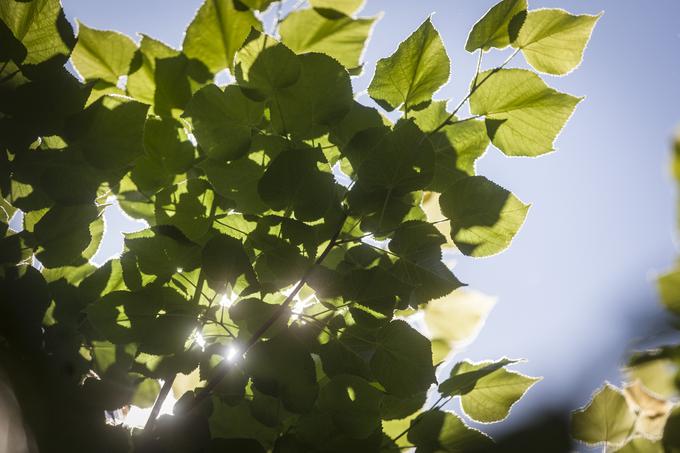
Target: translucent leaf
(484, 216)
(110, 132)
(523, 115)
(264, 66)
(259, 5)
(669, 290)
(103, 55)
(237, 181)
(319, 98)
(607, 418)
(456, 318)
(353, 404)
(411, 75)
(335, 35)
(402, 362)
(64, 233)
(224, 260)
(553, 41)
(293, 182)
(281, 367)
(141, 83)
(40, 26)
(224, 121)
(217, 32)
(443, 431)
(166, 142)
(499, 26)
(457, 145)
(652, 411)
(487, 390)
(641, 445)
(145, 393)
(347, 7)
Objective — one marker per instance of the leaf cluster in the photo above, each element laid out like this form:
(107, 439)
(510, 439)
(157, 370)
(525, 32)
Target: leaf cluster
(279, 294)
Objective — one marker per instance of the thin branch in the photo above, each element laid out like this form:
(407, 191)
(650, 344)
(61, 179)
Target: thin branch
(167, 385)
(223, 368)
(474, 88)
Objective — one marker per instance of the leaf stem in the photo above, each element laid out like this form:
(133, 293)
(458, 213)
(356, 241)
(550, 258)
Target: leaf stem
(475, 87)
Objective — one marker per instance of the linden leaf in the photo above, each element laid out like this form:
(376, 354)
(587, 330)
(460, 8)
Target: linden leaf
(217, 32)
(523, 115)
(484, 216)
(498, 27)
(607, 418)
(337, 36)
(553, 41)
(412, 74)
(104, 55)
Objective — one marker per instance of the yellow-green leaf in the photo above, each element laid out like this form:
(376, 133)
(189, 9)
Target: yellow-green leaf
(102, 54)
(553, 41)
(412, 74)
(607, 418)
(484, 216)
(336, 35)
(523, 114)
(217, 32)
(347, 7)
(499, 26)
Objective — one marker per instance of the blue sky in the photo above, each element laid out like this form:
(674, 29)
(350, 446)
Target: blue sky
(576, 288)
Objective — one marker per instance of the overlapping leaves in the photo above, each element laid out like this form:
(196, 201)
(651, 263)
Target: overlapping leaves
(259, 271)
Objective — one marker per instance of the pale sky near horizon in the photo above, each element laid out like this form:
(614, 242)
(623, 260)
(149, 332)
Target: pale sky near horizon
(575, 289)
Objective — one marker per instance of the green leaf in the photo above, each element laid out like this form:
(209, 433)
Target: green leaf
(293, 182)
(264, 66)
(259, 5)
(669, 290)
(553, 41)
(484, 216)
(224, 121)
(487, 390)
(282, 367)
(64, 233)
(437, 430)
(336, 35)
(321, 97)
(186, 206)
(103, 55)
(224, 260)
(607, 418)
(402, 362)
(411, 75)
(217, 32)
(145, 393)
(420, 266)
(354, 405)
(457, 145)
(347, 7)
(642, 445)
(110, 132)
(523, 115)
(41, 27)
(398, 160)
(162, 251)
(141, 83)
(237, 181)
(166, 142)
(499, 26)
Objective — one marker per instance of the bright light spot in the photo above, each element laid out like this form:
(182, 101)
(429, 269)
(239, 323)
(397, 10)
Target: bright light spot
(351, 393)
(200, 340)
(180, 270)
(227, 300)
(232, 353)
(137, 417)
(192, 138)
(121, 83)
